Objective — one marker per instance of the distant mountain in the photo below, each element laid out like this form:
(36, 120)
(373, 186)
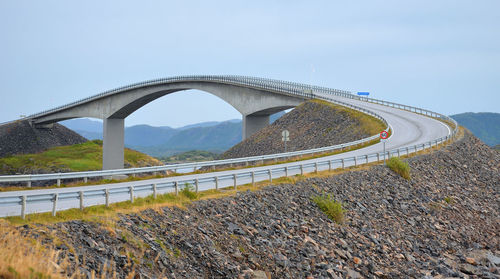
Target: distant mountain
(164, 141)
(145, 135)
(484, 125)
(215, 139)
(202, 124)
(83, 124)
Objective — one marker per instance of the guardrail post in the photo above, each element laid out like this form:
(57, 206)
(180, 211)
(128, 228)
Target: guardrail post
(58, 182)
(28, 184)
(399, 154)
(131, 190)
(301, 169)
(106, 195)
(81, 200)
(366, 157)
(23, 207)
(286, 171)
(54, 204)
(378, 157)
(85, 180)
(234, 181)
(176, 185)
(270, 176)
(196, 185)
(253, 178)
(355, 161)
(407, 151)
(342, 163)
(216, 183)
(315, 167)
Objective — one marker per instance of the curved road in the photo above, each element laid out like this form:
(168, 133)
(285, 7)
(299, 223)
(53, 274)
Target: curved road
(408, 129)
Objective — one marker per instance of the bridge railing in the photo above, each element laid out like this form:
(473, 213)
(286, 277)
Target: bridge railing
(22, 203)
(283, 87)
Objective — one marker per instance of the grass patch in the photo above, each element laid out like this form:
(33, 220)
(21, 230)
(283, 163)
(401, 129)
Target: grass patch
(449, 200)
(21, 257)
(332, 208)
(188, 192)
(400, 167)
(78, 157)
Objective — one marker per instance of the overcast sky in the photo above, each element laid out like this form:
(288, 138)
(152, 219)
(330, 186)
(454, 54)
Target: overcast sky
(439, 55)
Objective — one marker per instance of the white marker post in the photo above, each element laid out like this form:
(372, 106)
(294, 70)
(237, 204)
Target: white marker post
(383, 138)
(285, 137)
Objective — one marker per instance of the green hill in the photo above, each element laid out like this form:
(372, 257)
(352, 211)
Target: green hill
(484, 125)
(78, 157)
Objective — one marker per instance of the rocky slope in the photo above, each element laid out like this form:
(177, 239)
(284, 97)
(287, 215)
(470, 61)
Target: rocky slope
(312, 124)
(444, 222)
(20, 138)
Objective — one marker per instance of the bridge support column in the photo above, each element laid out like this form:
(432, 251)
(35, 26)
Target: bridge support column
(253, 123)
(113, 143)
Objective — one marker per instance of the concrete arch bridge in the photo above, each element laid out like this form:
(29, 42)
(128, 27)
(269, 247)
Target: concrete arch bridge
(255, 98)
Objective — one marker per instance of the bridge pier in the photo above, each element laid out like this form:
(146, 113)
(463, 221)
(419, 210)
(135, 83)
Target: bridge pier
(113, 143)
(253, 123)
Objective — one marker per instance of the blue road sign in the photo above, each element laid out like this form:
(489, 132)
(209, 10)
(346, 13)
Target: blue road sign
(363, 93)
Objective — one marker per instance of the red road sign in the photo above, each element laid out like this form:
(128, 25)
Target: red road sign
(384, 135)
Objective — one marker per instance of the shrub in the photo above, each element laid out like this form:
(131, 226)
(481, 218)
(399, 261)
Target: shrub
(332, 208)
(188, 192)
(399, 167)
(449, 200)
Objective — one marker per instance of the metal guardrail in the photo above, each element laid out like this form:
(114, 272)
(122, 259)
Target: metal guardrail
(269, 173)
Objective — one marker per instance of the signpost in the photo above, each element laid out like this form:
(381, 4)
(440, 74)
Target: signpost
(383, 138)
(363, 93)
(285, 137)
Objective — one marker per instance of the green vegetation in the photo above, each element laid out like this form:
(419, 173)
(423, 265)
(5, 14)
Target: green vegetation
(449, 200)
(332, 208)
(79, 157)
(188, 192)
(484, 125)
(190, 156)
(399, 167)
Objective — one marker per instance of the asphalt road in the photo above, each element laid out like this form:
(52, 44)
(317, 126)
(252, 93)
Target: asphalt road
(408, 129)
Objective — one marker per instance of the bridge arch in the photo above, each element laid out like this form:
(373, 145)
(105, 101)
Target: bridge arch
(255, 104)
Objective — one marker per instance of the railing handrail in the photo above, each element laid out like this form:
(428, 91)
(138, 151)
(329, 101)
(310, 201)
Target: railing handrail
(141, 186)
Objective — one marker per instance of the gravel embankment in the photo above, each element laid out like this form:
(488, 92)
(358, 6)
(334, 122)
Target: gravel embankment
(311, 125)
(443, 223)
(20, 138)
